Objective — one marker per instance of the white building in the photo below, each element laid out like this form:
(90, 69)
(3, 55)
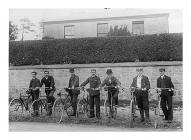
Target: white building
(99, 27)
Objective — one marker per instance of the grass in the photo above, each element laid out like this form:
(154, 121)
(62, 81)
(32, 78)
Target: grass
(121, 121)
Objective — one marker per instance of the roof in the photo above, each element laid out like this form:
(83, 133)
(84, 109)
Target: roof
(107, 18)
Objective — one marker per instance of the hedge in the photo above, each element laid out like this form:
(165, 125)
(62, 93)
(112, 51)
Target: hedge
(144, 48)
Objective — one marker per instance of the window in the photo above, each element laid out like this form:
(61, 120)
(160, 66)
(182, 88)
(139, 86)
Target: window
(69, 31)
(102, 29)
(138, 27)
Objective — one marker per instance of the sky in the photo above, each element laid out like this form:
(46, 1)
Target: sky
(37, 15)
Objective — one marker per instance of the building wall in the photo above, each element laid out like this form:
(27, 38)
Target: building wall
(89, 29)
(19, 77)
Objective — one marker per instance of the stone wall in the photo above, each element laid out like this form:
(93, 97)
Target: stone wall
(19, 76)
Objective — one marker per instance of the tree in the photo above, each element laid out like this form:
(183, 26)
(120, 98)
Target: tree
(116, 31)
(40, 28)
(13, 31)
(26, 26)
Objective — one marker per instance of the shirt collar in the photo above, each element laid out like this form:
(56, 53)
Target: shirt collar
(139, 76)
(162, 76)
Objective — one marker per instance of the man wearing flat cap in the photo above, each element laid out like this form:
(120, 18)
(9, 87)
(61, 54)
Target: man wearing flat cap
(74, 83)
(34, 87)
(111, 82)
(165, 86)
(48, 82)
(94, 82)
(142, 85)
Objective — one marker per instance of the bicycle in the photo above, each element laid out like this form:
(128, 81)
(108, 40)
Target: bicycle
(83, 105)
(133, 107)
(158, 109)
(112, 113)
(17, 105)
(42, 104)
(61, 104)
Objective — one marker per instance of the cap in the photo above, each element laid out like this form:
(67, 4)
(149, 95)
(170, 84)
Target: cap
(162, 69)
(34, 72)
(93, 70)
(46, 71)
(109, 71)
(139, 69)
(71, 70)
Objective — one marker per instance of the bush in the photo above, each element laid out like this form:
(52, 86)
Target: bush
(145, 48)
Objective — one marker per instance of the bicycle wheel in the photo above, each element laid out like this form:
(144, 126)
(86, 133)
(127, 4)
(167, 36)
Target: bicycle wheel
(132, 114)
(106, 106)
(111, 111)
(39, 104)
(157, 116)
(68, 106)
(114, 112)
(15, 107)
(58, 110)
(87, 109)
(81, 109)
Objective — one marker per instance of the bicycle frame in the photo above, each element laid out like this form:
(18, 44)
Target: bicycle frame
(25, 104)
(113, 109)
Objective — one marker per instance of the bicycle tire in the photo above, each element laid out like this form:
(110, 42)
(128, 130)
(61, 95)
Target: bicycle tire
(18, 109)
(106, 106)
(81, 111)
(58, 110)
(68, 107)
(40, 106)
(131, 114)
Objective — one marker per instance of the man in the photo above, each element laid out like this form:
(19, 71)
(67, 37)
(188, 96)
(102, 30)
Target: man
(48, 81)
(74, 83)
(94, 82)
(142, 85)
(166, 94)
(112, 82)
(34, 87)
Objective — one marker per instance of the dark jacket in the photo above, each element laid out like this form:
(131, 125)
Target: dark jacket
(35, 83)
(74, 82)
(49, 82)
(111, 81)
(144, 82)
(94, 82)
(167, 83)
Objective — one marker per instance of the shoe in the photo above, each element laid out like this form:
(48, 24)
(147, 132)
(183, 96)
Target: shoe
(98, 117)
(169, 121)
(73, 115)
(142, 115)
(49, 114)
(35, 114)
(142, 120)
(91, 116)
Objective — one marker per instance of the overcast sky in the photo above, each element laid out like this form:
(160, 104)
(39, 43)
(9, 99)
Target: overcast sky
(36, 15)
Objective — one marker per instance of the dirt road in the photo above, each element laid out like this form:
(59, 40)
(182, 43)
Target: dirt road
(121, 123)
(35, 126)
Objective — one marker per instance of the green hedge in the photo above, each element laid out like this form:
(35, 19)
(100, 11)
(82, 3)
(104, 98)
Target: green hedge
(163, 47)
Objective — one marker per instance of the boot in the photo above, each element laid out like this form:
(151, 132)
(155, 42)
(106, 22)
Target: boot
(49, 109)
(147, 116)
(74, 107)
(142, 115)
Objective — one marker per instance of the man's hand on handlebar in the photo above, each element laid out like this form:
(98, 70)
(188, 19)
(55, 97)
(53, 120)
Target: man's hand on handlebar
(144, 89)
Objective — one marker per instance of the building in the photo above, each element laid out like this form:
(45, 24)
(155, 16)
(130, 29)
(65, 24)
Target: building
(101, 27)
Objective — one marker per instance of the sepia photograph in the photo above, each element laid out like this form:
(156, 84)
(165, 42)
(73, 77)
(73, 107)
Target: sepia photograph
(95, 70)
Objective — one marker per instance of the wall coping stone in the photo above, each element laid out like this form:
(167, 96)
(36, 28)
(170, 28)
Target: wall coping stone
(99, 65)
